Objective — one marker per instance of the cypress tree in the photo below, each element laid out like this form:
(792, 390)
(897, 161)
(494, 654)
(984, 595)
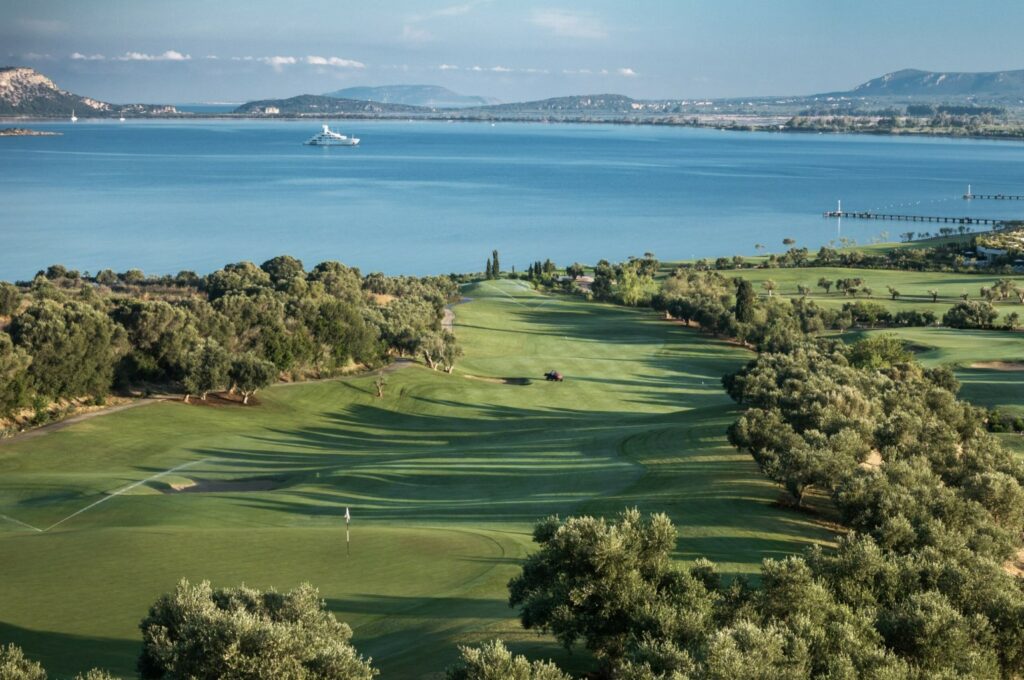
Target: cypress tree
(496, 267)
(489, 272)
(745, 300)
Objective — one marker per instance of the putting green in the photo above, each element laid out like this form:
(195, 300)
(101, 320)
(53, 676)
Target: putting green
(445, 477)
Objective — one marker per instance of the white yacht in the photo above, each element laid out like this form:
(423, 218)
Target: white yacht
(74, 118)
(327, 137)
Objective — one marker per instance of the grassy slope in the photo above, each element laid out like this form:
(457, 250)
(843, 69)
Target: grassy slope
(445, 477)
(912, 286)
(961, 349)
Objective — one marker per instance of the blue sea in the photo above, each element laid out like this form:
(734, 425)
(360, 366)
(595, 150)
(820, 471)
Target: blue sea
(436, 197)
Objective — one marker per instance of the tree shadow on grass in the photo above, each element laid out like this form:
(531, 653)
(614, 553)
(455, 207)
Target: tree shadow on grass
(64, 655)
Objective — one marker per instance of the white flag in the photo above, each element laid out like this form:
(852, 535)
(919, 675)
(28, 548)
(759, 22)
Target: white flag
(348, 517)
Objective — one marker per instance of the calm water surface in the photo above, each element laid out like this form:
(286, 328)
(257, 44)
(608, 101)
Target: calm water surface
(431, 197)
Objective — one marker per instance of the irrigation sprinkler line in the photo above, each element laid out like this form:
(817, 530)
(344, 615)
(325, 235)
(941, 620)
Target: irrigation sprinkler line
(108, 497)
(18, 521)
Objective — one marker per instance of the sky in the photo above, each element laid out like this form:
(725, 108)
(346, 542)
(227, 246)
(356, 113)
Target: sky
(179, 51)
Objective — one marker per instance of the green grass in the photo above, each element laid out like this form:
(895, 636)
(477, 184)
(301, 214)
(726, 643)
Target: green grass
(445, 477)
(912, 286)
(961, 349)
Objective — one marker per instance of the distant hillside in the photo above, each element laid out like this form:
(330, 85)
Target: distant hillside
(574, 104)
(915, 83)
(432, 96)
(26, 92)
(313, 104)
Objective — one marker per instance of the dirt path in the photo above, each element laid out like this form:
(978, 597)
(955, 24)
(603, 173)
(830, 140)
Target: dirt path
(67, 422)
(448, 322)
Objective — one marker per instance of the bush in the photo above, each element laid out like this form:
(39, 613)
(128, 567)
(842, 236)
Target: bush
(493, 661)
(200, 633)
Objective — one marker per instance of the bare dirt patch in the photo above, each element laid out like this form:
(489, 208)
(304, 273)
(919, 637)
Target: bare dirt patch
(499, 381)
(381, 299)
(1015, 567)
(873, 461)
(999, 365)
(224, 485)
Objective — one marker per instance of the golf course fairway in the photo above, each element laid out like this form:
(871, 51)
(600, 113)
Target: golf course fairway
(445, 476)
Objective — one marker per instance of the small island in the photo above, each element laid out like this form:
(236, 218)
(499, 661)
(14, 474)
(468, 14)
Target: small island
(25, 132)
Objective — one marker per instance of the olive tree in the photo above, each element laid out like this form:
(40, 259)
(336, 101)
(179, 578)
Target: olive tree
(206, 369)
(14, 665)
(198, 633)
(611, 584)
(73, 348)
(14, 363)
(493, 661)
(248, 373)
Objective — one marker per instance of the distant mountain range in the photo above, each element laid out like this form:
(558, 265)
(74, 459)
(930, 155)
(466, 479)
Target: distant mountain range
(318, 104)
(430, 96)
(554, 108)
(26, 92)
(574, 104)
(938, 84)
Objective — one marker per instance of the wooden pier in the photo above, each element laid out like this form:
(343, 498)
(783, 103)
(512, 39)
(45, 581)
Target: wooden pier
(863, 215)
(993, 197)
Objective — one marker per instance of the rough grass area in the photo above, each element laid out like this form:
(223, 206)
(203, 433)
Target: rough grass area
(445, 477)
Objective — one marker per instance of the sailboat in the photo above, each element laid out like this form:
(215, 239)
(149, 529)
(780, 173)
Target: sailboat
(121, 119)
(74, 118)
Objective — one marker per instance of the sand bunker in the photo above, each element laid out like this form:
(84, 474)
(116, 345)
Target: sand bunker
(223, 485)
(999, 365)
(499, 381)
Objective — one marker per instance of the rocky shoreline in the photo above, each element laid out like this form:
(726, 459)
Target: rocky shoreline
(25, 132)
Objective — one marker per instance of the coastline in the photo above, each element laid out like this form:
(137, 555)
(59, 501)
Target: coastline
(25, 132)
(727, 123)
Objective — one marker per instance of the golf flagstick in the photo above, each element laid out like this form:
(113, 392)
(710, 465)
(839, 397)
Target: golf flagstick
(348, 518)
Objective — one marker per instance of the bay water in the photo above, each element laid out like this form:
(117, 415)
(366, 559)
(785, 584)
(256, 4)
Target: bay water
(436, 197)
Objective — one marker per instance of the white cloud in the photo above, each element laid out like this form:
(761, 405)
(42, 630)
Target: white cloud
(628, 72)
(455, 10)
(278, 62)
(413, 33)
(449, 11)
(334, 61)
(36, 56)
(78, 56)
(169, 55)
(490, 69)
(569, 25)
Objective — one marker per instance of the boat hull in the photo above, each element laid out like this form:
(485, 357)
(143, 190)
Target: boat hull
(347, 142)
